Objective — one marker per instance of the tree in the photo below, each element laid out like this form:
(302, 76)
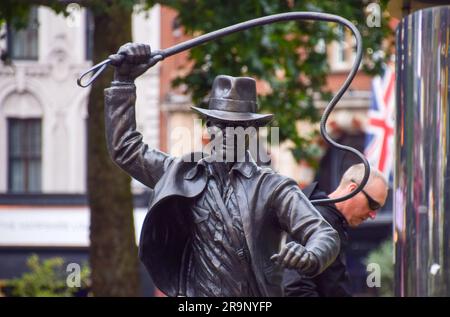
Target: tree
(286, 55)
(113, 251)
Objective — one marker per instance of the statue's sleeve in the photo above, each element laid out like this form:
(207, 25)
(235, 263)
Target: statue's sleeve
(305, 224)
(125, 144)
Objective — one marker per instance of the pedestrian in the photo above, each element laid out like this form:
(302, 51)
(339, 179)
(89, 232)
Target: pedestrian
(334, 281)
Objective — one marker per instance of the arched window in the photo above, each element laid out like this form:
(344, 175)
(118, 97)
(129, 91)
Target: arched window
(335, 162)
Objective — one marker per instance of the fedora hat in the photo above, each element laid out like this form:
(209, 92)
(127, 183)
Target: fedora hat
(233, 99)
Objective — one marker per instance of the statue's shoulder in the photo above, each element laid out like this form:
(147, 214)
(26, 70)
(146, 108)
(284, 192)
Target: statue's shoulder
(184, 166)
(276, 178)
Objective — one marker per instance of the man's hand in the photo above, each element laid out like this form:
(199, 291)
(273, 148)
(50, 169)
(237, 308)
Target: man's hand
(297, 257)
(135, 60)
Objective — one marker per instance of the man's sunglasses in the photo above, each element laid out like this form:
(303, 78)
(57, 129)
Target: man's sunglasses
(373, 204)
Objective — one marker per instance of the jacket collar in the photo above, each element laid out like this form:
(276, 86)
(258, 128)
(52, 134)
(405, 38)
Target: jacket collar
(312, 192)
(247, 168)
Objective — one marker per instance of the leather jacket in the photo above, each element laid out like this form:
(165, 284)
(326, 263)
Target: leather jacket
(270, 205)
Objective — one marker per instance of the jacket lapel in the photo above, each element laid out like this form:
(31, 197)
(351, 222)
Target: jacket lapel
(180, 181)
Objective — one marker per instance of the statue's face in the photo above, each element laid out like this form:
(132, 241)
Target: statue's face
(229, 140)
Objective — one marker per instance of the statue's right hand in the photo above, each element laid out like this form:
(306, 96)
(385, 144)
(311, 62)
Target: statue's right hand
(295, 256)
(131, 61)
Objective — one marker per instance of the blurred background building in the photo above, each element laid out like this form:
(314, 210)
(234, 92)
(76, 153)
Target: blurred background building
(43, 205)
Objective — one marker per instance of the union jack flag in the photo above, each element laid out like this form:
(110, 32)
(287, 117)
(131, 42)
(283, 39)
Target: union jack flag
(379, 147)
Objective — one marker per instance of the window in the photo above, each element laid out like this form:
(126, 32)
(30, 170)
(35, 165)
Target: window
(24, 155)
(341, 53)
(89, 34)
(23, 43)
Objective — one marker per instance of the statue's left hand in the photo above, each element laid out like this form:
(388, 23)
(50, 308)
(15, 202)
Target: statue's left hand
(295, 256)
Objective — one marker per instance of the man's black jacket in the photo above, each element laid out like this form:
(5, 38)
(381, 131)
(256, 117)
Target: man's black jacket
(334, 281)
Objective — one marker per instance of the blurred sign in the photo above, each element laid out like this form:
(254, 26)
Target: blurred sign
(50, 226)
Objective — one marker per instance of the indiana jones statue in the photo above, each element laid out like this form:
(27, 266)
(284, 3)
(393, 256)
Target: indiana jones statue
(214, 225)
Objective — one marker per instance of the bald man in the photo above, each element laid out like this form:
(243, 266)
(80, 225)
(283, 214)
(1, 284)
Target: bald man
(334, 281)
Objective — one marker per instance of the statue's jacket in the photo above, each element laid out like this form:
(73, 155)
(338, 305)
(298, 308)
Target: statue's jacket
(270, 204)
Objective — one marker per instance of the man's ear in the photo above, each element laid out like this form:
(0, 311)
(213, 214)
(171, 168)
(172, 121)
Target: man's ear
(351, 187)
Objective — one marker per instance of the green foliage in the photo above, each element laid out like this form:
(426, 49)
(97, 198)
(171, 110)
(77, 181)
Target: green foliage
(271, 50)
(383, 257)
(16, 12)
(46, 279)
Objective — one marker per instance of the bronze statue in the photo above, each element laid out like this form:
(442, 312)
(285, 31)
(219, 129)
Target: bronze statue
(215, 224)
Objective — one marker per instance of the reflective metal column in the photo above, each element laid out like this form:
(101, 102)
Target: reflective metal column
(422, 167)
